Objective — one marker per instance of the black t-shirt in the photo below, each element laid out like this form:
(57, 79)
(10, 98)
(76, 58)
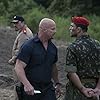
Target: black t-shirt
(39, 61)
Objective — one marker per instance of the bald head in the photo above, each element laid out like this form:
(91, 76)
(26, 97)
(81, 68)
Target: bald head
(47, 29)
(46, 23)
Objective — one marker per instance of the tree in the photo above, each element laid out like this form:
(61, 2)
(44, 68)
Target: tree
(44, 3)
(74, 7)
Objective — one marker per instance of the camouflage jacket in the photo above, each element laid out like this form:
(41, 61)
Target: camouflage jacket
(83, 57)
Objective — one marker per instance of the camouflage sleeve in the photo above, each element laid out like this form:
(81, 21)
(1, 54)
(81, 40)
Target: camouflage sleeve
(70, 61)
(98, 47)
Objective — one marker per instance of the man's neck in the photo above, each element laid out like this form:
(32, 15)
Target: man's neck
(22, 28)
(44, 41)
(81, 34)
(42, 38)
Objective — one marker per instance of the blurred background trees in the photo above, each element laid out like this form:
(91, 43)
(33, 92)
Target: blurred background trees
(59, 7)
(75, 7)
(59, 10)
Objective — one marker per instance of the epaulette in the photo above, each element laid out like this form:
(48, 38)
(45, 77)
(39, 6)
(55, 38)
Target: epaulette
(24, 31)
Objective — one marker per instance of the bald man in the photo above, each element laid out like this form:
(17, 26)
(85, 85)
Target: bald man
(36, 64)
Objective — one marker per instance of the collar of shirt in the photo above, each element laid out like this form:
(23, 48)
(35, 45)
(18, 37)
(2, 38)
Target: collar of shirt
(23, 30)
(83, 37)
(36, 39)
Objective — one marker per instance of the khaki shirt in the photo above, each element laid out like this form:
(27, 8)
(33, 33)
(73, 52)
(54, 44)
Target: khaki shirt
(24, 35)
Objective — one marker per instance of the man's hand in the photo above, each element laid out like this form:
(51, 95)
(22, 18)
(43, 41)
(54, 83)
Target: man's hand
(96, 93)
(88, 92)
(11, 62)
(58, 90)
(29, 89)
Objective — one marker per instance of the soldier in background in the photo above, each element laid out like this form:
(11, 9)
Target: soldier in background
(82, 63)
(24, 34)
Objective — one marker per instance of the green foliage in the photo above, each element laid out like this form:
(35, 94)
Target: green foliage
(64, 23)
(33, 17)
(3, 21)
(44, 3)
(94, 28)
(74, 7)
(9, 8)
(2, 9)
(33, 14)
(58, 7)
(62, 28)
(19, 7)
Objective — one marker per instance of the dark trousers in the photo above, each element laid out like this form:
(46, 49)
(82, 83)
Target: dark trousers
(48, 95)
(47, 92)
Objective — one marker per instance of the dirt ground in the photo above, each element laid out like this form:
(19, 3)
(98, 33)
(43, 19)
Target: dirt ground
(7, 37)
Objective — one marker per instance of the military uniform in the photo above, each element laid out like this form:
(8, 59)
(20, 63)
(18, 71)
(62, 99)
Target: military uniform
(23, 35)
(83, 58)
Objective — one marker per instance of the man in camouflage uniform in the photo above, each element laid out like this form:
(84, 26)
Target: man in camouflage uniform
(24, 34)
(82, 63)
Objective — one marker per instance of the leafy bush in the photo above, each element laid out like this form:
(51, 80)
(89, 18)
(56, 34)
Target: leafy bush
(44, 3)
(62, 28)
(74, 7)
(33, 14)
(33, 17)
(94, 28)
(3, 21)
(19, 7)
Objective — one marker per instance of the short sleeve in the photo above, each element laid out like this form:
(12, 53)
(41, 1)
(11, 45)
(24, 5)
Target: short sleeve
(25, 54)
(70, 61)
(56, 57)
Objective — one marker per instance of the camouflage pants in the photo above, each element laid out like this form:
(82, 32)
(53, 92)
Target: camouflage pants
(73, 94)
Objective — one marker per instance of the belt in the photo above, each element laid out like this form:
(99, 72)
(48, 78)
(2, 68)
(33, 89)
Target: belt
(41, 85)
(88, 80)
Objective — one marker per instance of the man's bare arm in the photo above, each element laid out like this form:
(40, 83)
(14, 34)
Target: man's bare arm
(19, 69)
(55, 74)
(76, 81)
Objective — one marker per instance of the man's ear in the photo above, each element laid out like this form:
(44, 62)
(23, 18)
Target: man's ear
(79, 29)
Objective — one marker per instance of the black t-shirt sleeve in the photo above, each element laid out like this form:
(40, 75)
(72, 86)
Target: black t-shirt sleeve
(25, 53)
(56, 56)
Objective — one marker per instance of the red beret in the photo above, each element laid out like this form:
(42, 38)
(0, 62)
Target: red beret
(80, 20)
